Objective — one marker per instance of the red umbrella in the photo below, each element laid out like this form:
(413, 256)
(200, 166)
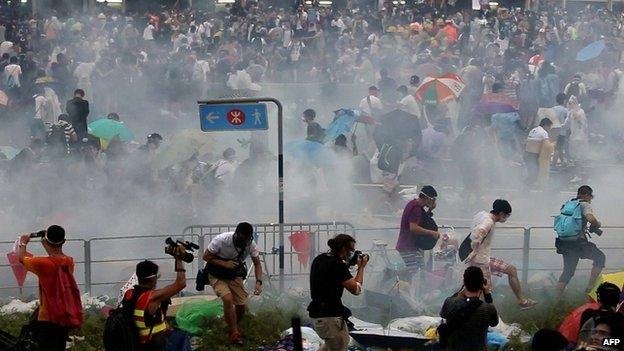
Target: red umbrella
(571, 325)
(18, 269)
(301, 242)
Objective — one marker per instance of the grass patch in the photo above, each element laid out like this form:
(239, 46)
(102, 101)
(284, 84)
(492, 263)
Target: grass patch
(272, 315)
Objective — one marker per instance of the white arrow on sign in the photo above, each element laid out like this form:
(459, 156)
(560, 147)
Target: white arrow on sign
(211, 117)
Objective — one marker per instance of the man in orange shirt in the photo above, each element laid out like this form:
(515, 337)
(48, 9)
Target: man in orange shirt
(49, 336)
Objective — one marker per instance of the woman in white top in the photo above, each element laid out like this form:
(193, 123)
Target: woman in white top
(579, 131)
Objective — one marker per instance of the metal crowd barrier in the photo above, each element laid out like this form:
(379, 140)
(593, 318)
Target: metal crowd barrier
(104, 263)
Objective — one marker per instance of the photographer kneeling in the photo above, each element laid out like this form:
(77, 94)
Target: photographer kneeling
(329, 277)
(225, 266)
(150, 304)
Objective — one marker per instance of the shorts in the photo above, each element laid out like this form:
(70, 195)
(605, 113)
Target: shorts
(414, 259)
(562, 143)
(495, 267)
(236, 287)
(334, 331)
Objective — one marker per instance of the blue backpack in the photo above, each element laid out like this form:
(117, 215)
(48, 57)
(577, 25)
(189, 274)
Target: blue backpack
(569, 223)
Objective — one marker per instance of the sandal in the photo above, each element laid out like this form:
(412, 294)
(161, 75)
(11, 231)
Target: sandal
(527, 304)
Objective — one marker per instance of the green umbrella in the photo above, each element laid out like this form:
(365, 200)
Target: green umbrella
(107, 129)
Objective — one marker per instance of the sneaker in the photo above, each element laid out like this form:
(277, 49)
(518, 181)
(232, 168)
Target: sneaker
(236, 339)
(527, 304)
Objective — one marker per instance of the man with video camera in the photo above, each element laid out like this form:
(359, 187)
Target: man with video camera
(329, 276)
(149, 305)
(572, 230)
(226, 271)
(59, 308)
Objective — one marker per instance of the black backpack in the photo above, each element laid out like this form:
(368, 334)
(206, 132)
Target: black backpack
(120, 332)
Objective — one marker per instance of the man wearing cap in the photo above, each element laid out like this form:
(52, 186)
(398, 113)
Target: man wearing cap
(49, 336)
(149, 305)
(413, 225)
(225, 265)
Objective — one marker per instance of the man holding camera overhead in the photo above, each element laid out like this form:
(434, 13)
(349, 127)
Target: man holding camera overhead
(149, 305)
(225, 266)
(59, 308)
(329, 276)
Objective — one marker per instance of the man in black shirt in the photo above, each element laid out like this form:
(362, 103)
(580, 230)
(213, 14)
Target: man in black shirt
(609, 297)
(470, 325)
(78, 110)
(314, 131)
(329, 277)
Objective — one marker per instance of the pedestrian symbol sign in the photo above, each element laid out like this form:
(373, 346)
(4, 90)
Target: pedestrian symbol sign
(243, 116)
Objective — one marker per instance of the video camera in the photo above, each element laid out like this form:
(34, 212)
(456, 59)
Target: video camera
(39, 234)
(356, 257)
(188, 246)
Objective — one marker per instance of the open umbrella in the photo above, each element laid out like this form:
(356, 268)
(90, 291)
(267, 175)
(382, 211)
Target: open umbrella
(591, 51)
(442, 89)
(182, 147)
(396, 126)
(310, 152)
(571, 324)
(344, 121)
(107, 129)
(9, 151)
(616, 278)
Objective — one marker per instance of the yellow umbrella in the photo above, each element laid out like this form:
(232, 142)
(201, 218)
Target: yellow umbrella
(616, 278)
(182, 147)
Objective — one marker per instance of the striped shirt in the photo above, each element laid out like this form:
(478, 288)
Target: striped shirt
(68, 130)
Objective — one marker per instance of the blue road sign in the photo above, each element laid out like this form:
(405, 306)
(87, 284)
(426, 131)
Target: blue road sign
(244, 116)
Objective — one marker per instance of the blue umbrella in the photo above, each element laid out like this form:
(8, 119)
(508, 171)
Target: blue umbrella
(342, 124)
(310, 152)
(591, 51)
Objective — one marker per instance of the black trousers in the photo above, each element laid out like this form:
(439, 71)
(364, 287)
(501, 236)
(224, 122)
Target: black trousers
(574, 251)
(48, 336)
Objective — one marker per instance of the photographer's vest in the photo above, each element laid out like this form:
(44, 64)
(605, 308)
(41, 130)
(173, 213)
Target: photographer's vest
(146, 333)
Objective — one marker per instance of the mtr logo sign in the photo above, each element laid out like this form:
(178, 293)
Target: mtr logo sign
(611, 342)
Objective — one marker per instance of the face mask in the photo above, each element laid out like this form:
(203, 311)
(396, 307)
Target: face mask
(504, 219)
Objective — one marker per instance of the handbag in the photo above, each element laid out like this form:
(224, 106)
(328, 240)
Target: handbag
(466, 247)
(427, 242)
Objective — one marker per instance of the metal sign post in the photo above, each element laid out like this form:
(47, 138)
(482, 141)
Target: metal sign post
(250, 114)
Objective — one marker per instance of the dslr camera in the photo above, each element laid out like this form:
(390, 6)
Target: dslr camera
(595, 230)
(188, 246)
(356, 257)
(39, 234)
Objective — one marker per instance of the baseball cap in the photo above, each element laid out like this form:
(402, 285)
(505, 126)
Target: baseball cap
(429, 191)
(55, 235)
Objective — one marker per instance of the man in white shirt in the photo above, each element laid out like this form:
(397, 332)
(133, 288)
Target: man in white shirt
(12, 74)
(537, 136)
(481, 236)
(148, 32)
(561, 152)
(409, 102)
(225, 257)
(371, 105)
(225, 167)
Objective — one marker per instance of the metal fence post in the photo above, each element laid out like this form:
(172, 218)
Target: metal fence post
(87, 263)
(525, 256)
